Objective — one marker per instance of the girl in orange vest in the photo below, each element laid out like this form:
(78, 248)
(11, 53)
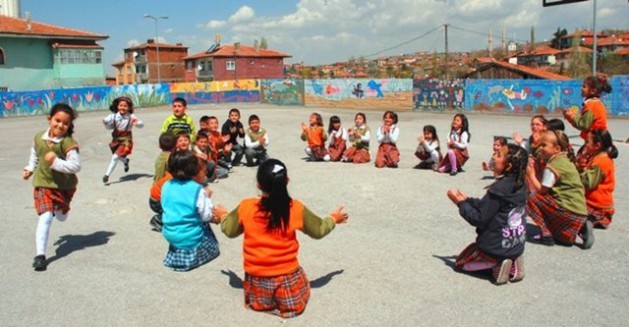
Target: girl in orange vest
(599, 177)
(274, 280)
(315, 135)
(593, 115)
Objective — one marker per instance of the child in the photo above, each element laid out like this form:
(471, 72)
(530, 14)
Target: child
(457, 146)
(555, 124)
(121, 121)
(167, 144)
(219, 145)
(203, 150)
(55, 161)
(179, 121)
(498, 218)
(388, 154)
(558, 204)
(183, 141)
(428, 150)
(593, 115)
(315, 135)
(274, 280)
(204, 123)
(187, 209)
(359, 136)
(500, 145)
(539, 124)
(599, 177)
(338, 136)
(256, 142)
(234, 128)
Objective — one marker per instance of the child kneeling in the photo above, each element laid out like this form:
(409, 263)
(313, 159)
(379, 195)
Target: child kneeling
(499, 220)
(187, 209)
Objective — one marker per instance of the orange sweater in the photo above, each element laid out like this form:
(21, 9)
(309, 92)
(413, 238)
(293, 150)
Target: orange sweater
(156, 189)
(316, 137)
(596, 107)
(600, 169)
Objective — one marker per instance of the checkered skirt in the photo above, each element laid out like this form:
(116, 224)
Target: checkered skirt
(188, 259)
(284, 295)
(600, 217)
(554, 220)
(49, 199)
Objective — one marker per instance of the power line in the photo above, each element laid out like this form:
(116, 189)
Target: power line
(481, 33)
(403, 43)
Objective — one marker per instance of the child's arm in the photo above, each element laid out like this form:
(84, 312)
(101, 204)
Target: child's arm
(477, 212)
(32, 164)
(204, 205)
(380, 134)
(394, 134)
(366, 137)
(109, 121)
(250, 144)
(582, 121)
(230, 224)
(317, 227)
(265, 139)
(71, 165)
(304, 131)
(592, 177)
(135, 121)
(464, 141)
(548, 180)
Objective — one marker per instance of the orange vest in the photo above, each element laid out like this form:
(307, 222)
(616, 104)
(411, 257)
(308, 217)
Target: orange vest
(156, 189)
(602, 196)
(269, 253)
(315, 137)
(599, 112)
(217, 143)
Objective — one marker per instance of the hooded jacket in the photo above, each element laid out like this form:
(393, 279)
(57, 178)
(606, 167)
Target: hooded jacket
(498, 218)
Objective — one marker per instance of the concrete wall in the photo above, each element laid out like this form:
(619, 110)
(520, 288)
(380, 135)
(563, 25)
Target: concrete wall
(28, 64)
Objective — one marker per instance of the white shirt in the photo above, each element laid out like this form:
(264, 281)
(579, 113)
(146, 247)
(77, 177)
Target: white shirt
(71, 165)
(430, 146)
(342, 133)
(463, 143)
(254, 145)
(390, 137)
(122, 122)
(204, 206)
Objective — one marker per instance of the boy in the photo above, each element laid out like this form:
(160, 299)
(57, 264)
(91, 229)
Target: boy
(203, 150)
(256, 142)
(179, 121)
(219, 144)
(234, 128)
(167, 144)
(204, 123)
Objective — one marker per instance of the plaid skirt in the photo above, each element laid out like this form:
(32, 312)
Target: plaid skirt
(336, 149)
(319, 152)
(284, 295)
(461, 158)
(356, 155)
(121, 147)
(388, 155)
(473, 253)
(50, 199)
(188, 259)
(554, 220)
(600, 217)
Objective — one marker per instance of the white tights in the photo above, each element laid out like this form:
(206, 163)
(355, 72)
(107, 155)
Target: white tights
(112, 164)
(43, 229)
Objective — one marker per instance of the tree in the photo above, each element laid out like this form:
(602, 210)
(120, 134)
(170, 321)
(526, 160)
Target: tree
(556, 41)
(263, 43)
(579, 61)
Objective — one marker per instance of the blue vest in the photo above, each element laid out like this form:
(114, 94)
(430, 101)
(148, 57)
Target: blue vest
(183, 227)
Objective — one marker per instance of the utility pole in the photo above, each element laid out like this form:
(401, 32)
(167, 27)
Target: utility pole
(489, 45)
(594, 41)
(446, 54)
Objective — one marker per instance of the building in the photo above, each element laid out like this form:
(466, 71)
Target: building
(488, 68)
(230, 62)
(36, 56)
(543, 55)
(140, 63)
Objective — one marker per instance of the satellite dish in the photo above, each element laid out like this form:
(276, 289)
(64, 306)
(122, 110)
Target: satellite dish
(199, 67)
(135, 54)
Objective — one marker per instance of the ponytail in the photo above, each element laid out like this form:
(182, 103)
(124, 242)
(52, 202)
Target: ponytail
(275, 203)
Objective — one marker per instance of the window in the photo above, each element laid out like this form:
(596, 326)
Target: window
(71, 56)
(2, 61)
(231, 65)
(189, 65)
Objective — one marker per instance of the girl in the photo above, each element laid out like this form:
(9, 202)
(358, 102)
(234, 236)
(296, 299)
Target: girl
(428, 150)
(187, 209)
(539, 124)
(315, 136)
(121, 121)
(599, 177)
(54, 161)
(499, 220)
(557, 205)
(457, 146)
(593, 115)
(499, 145)
(359, 136)
(274, 281)
(388, 154)
(338, 137)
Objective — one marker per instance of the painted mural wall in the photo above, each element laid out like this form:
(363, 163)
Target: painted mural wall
(282, 92)
(620, 95)
(359, 93)
(437, 94)
(217, 91)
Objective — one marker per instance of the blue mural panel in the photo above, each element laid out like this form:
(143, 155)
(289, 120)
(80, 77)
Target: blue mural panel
(219, 97)
(438, 94)
(340, 89)
(620, 95)
(282, 92)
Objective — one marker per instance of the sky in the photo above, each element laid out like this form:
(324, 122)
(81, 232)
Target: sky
(319, 32)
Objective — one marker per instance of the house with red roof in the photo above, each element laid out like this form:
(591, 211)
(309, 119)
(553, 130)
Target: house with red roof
(490, 68)
(141, 62)
(231, 62)
(35, 56)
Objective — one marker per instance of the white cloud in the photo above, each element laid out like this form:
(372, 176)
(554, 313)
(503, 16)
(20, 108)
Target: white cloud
(168, 31)
(133, 42)
(214, 24)
(244, 13)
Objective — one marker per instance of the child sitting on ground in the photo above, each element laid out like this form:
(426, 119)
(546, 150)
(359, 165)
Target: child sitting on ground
(314, 134)
(359, 137)
(167, 144)
(500, 144)
(457, 146)
(388, 154)
(338, 138)
(499, 220)
(428, 150)
(256, 142)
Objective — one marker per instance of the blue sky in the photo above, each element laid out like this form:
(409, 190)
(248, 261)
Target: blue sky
(324, 31)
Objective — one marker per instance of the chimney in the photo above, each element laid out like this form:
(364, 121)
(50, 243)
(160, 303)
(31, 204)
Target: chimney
(150, 41)
(179, 44)
(255, 45)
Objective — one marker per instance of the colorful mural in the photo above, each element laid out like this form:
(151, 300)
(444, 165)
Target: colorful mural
(359, 93)
(437, 94)
(620, 95)
(217, 91)
(282, 92)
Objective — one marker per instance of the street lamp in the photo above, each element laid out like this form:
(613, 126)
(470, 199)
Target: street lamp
(156, 19)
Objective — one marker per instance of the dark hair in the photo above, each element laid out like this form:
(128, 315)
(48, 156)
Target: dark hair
(183, 164)
(204, 119)
(180, 134)
(393, 116)
(501, 140)
(212, 117)
(604, 138)
(234, 110)
(432, 130)
(201, 134)
(181, 100)
(68, 110)
(319, 119)
(556, 124)
(361, 115)
(272, 177)
(598, 85)
(465, 126)
(114, 105)
(518, 158)
(333, 120)
(564, 143)
(253, 117)
(167, 141)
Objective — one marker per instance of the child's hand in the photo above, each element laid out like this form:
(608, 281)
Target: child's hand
(517, 138)
(456, 196)
(450, 144)
(262, 139)
(233, 129)
(530, 172)
(420, 139)
(339, 216)
(203, 156)
(26, 174)
(227, 148)
(304, 127)
(50, 157)
(485, 166)
(219, 213)
(134, 121)
(241, 131)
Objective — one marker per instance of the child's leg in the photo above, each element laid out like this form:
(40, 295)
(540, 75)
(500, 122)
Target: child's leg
(238, 153)
(292, 294)
(41, 234)
(112, 164)
(434, 157)
(452, 160)
(309, 153)
(249, 156)
(259, 293)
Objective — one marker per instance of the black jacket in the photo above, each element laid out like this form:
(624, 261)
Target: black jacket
(499, 218)
(233, 137)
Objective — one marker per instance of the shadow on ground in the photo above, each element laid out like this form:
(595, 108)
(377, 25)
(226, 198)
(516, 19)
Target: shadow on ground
(236, 282)
(72, 243)
(130, 178)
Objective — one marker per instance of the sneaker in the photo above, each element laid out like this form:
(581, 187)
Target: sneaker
(542, 239)
(453, 172)
(517, 270)
(39, 263)
(126, 165)
(105, 179)
(501, 272)
(156, 223)
(587, 235)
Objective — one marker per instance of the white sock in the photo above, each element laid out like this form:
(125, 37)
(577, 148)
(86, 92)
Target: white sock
(112, 165)
(41, 235)
(61, 216)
